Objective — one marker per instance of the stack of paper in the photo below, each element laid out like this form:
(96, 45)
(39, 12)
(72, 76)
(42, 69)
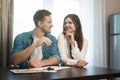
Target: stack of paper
(38, 70)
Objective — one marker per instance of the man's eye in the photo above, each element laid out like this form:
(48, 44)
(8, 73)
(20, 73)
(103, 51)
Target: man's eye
(49, 22)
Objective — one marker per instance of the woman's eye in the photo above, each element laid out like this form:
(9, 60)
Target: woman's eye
(70, 22)
(65, 23)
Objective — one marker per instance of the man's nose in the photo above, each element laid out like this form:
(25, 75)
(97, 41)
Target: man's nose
(51, 25)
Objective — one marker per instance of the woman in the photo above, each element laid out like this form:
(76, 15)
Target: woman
(71, 43)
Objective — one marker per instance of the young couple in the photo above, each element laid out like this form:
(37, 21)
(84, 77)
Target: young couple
(39, 48)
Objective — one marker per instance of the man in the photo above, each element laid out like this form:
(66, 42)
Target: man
(36, 48)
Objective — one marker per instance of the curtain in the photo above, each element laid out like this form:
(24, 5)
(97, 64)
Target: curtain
(6, 31)
(99, 35)
(92, 15)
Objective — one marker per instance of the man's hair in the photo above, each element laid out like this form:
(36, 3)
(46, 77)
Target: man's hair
(40, 15)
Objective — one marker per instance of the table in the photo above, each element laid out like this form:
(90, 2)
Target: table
(86, 73)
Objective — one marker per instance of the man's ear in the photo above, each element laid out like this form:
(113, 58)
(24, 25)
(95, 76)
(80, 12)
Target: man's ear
(39, 23)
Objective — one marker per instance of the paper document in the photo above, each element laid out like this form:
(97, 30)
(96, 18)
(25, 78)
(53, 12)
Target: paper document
(38, 70)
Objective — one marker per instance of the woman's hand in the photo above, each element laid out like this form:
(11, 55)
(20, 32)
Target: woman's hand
(70, 37)
(81, 63)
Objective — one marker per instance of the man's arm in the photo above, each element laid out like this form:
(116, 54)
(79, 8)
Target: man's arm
(46, 62)
(53, 60)
(21, 56)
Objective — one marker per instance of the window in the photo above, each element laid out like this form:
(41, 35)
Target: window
(25, 9)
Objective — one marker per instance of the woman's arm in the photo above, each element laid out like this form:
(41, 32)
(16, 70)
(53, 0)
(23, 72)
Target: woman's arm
(76, 53)
(65, 51)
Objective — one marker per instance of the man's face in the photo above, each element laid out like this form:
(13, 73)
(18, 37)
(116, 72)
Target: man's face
(46, 24)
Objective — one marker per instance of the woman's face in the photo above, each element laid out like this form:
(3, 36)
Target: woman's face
(69, 26)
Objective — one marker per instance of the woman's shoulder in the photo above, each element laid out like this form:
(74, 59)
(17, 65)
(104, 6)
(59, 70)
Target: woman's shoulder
(61, 36)
(85, 40)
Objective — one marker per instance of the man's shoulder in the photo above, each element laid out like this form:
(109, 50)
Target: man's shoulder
(25, 34)
(50, 36)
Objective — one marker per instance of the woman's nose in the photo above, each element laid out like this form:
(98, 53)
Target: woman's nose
(67, 25)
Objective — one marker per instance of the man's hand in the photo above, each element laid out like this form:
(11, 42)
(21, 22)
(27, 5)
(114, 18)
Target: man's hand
(44, 40)
(34, 63)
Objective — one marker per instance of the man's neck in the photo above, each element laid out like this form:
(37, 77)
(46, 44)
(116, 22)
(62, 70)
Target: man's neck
(38, 33)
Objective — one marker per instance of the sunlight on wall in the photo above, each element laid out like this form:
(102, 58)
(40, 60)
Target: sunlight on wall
(60, 10)
(23, 15)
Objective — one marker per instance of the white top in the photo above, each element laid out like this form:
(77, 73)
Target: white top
(64, 48)
(37, 53)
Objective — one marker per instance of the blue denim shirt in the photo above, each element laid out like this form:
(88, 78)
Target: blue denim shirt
(25, 39)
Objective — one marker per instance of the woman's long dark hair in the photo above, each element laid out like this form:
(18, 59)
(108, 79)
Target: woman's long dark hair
(78, 32)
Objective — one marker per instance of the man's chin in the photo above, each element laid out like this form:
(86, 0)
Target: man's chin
(48, 32)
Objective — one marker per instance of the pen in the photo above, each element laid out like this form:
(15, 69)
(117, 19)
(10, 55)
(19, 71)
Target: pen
(50, 68)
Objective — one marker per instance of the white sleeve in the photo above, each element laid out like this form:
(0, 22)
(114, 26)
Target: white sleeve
(64, 51)
(76, 53)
